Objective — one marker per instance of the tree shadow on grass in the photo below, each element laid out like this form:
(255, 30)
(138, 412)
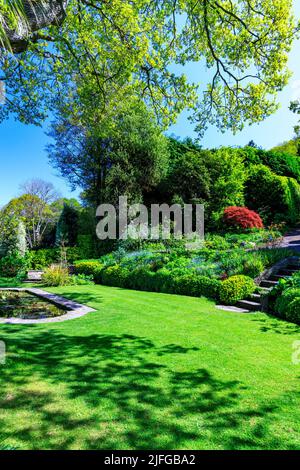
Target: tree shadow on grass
(119, 391)
(276, 325)
(81, 297)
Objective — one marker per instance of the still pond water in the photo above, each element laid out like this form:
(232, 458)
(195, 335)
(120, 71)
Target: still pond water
(14, 304)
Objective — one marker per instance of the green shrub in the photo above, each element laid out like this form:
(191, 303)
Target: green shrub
(40, 259)
(43, 258)
(81, 280)
(208, 287)
(216, 242)
(56, 275)
(236, 288)
(253, 266)
(115, 276)
(293, 312)
(183, 282)
(272, 256)
(88, 267)
(13, 265)
(142, 279)
(97, 275)
(73, 254)
(197, 286)
(287, 305)
(86, 246)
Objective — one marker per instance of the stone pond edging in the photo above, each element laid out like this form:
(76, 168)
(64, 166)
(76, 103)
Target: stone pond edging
(73, 309)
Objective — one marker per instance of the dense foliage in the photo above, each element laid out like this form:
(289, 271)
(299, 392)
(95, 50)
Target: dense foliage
(291, 147)
(126, 156)
(281, 162)
(12, 235)
(288, 305)
(284, 299)
(276, 198)
(104, 52)
(186, 273)
(67, 226)
(13, 265)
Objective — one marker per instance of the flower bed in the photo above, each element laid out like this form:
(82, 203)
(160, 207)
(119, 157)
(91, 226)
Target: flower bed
(196, 273)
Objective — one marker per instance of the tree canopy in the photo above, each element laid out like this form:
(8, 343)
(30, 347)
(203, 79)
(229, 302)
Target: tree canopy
(126, 155)
(34, 213)
(105, 51)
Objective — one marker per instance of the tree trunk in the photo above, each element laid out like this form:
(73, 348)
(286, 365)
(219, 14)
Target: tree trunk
(39, 14)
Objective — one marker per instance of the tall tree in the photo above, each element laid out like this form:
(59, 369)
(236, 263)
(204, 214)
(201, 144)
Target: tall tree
(126, 155)
(67, 226)
(129, 47)
(188, 179)
(44, 190)
(12, 234)
(34, 213)
(33, 209)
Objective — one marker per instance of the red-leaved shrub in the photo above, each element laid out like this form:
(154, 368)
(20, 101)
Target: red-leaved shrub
(242, 217)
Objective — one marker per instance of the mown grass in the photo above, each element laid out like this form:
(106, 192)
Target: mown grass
(150, 371)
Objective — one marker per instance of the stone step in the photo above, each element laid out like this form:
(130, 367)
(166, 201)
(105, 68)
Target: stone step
(288, 272)
(265, 290)
(249, 305)
(256, 297)
(34, 275)
(276, 277)
(227, 308)
(268, 283)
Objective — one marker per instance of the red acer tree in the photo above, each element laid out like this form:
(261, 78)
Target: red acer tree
(242, 217)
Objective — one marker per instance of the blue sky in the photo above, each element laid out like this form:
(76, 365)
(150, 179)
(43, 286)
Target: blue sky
(22, 148)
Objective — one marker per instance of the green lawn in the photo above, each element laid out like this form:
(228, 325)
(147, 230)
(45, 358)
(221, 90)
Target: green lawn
(150, 371)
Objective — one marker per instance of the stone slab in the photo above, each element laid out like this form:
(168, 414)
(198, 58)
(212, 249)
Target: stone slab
(234, 309)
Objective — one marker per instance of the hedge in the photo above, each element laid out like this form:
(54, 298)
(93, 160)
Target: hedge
(13, 265)
(141, 278)
(161, 281)
(176, 281)
(88, 267)
(39, 259)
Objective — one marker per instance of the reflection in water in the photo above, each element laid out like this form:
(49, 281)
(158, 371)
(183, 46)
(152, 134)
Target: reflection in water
(26, 306)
